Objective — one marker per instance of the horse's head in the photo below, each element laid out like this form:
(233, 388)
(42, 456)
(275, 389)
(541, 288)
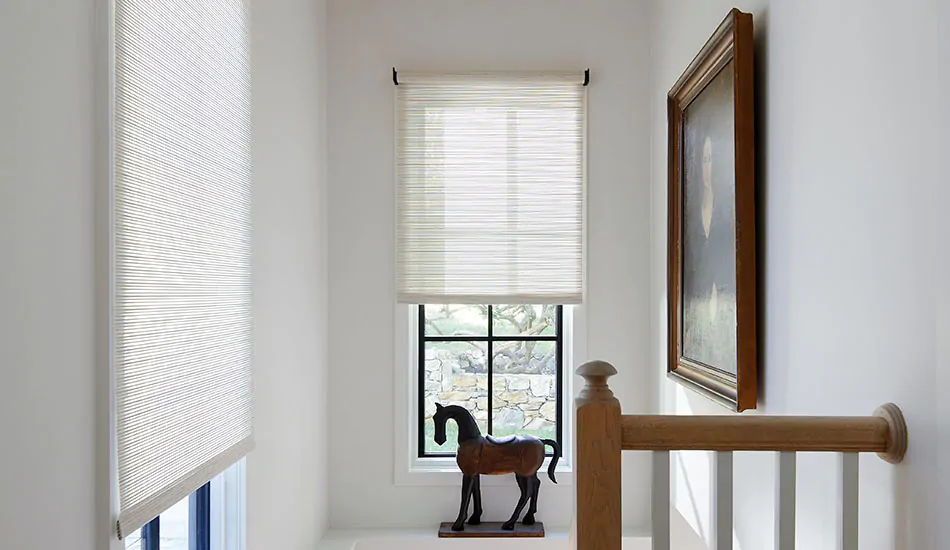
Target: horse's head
(439, 419)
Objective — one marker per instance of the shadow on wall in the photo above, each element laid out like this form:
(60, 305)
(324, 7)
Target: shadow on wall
(693, 491)
(682, 535)
(761, 193)
(691, 474)
(901, 513)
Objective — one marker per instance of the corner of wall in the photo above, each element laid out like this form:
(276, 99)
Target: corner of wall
(287, 475)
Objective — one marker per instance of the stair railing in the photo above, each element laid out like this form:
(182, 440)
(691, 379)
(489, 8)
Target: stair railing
(603, 433)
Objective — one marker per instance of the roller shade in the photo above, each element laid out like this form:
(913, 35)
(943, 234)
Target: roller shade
(181, 249)
(490, 178)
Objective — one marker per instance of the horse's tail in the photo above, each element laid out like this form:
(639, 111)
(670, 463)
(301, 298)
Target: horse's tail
(557, 454)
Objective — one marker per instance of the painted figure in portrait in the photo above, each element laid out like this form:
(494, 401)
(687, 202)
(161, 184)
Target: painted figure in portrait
(709, 226)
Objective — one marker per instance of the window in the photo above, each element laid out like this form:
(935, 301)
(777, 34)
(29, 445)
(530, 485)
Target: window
(184, 526)
(501, 362)
(211, 518)
(490, 214)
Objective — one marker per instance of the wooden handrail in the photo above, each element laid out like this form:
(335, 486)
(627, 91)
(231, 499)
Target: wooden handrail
(884, 433)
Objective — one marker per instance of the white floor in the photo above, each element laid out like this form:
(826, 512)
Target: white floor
(417, 539)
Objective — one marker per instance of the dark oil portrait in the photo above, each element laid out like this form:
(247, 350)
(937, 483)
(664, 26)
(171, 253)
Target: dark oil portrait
(709, 226)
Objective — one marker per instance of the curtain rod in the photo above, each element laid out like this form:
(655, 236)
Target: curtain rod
(586, 77)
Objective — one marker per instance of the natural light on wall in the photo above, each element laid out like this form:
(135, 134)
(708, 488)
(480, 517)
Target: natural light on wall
(181, 252)
(490, 178)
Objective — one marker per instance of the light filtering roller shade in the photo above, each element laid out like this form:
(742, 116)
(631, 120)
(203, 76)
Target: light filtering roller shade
(182, 249)
(490, 188)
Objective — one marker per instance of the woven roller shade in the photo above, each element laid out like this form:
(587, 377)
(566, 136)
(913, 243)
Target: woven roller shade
(182, 249)
(490, 188)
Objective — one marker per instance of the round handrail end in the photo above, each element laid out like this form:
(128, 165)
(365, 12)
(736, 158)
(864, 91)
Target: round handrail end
(897, 433)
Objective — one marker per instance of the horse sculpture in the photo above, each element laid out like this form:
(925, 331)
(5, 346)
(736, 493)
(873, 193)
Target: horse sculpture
(477, 455)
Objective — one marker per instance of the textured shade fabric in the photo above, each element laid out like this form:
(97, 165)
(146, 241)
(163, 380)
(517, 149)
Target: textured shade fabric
(490, 188)
(181, 253)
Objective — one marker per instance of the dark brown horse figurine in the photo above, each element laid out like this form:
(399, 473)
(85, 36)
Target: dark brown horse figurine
(521, 455)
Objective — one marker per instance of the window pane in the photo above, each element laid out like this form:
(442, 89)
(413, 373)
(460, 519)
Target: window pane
(524, 320)
(134, 541)
(524, 389)
(455, 374)
(173, 527)
(456, 320)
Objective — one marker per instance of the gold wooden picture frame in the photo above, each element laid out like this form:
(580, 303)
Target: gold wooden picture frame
(711, 248)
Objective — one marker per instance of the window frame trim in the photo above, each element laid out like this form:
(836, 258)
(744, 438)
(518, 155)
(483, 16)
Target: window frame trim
(411, 470)
(489, 338)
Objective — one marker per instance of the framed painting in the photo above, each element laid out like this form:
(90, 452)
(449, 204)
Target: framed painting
(711, 256)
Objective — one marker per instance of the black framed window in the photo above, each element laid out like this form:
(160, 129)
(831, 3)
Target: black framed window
(501, 362)
(187, 526)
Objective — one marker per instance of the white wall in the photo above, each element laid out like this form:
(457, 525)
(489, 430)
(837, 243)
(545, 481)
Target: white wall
(367, 38)
(47, 310)
(287, 473)
(942, 387)
(846, 182)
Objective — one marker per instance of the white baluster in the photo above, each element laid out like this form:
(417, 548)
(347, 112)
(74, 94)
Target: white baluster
(722, 501)
(785, 501)
(661, 500)
(848, 502)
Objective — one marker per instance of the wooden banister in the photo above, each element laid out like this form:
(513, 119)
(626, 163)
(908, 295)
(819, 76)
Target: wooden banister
(884, 433)
(597, 475)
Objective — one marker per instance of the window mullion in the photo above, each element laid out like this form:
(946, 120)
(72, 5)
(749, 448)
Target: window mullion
(559, 374)
(503, 338)
(488, 362)
(199, 518)
(422, 376)
(150, 535)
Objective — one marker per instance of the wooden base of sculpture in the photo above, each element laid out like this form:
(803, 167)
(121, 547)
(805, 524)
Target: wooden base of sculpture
(491, 529)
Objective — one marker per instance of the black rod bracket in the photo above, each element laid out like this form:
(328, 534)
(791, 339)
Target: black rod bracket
(586, 77)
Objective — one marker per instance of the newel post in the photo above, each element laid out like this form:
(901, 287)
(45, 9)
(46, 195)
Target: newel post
(597, 463)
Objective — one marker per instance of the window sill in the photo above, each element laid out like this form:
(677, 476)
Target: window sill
(444, 472)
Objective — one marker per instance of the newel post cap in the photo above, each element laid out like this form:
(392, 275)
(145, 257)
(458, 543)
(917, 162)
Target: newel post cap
(596, 373)
(593, 370)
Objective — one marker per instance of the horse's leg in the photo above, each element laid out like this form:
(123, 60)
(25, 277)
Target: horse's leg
(534, 485)
(523, 484)
(468, 482)
(477, 497)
